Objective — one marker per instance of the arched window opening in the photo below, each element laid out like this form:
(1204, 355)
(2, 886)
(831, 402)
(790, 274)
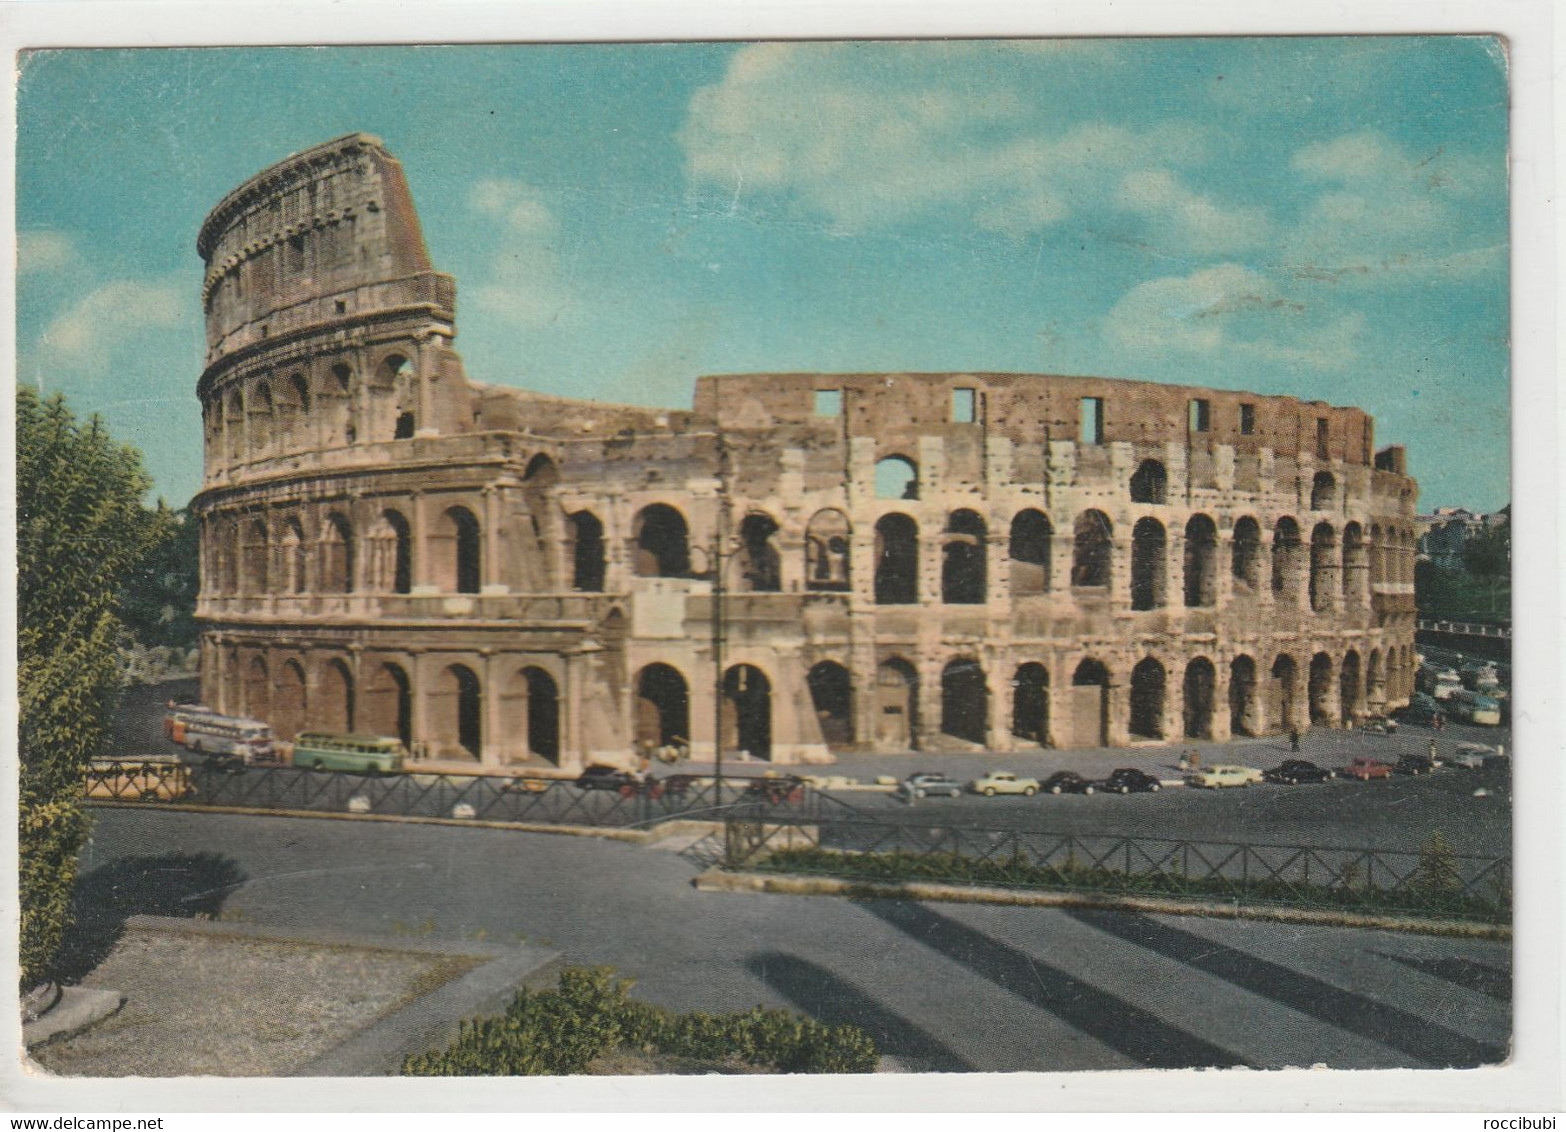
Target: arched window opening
(301, 389)
(965, 699)
(1147, 564)
(404, 428)
(1030, 704)
(1147, 700)
(1150, 483)
(261, 418)
(458, 708)
(1350, 696)
(258, 691)
(747, 711)
(289, 705)
(1281, 692)
(963, 579)
(832, 697)
(456, 552)
(1200, 682)
(827, 548)
(294, 558)
(540, 704)
(388, 704)
(1287, 551)
(227, 552)
(1092, 550)
(1090, 705)
(234, 426)
(1323, 709)
(394, 367)
(662, 543)
(1243, 704)
(336, 710)
(256, 553)
(1323, 492)
(897, 705)
(897, 560)
(1323, 567)
(896, 477)
(587, 552)
(663, 708)
(336, 556)
(759, 567)
(394, 570)
(1247, 561)
(1201, 562)
(541, 472)
(1029, 551)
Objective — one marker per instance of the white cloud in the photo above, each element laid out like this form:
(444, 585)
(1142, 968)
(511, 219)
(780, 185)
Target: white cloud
(828, 127)
(1233, 311)
(44, 251)
(1196, 221)
(86, 335)
(522, 284)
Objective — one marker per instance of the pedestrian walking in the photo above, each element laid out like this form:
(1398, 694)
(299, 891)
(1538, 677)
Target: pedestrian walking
(1432, 750)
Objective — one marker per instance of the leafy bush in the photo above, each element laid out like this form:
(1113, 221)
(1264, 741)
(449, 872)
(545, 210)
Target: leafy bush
(590, 1014)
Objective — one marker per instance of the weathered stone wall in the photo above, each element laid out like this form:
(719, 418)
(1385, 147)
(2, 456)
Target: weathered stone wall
(961, 560)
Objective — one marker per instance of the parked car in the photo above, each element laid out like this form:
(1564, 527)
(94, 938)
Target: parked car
(1292, 772)
(1415, 765)
(1129, 780)
(620, 781)
(1217, 777)
(1365, 769)
(525, 785)
(925, 784)
(1379, 725)
(1422, 710)
(776, 789)
(1471, 756)
(1067, 782)
(1004, 782)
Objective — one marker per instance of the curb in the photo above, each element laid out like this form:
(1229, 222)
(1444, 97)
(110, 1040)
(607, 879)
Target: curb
(716, 880)
(77, 1009)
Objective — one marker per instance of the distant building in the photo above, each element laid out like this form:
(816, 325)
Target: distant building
(951, 560)
(1444, 534)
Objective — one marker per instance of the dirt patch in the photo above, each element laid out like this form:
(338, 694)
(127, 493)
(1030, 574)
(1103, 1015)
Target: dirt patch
(204, 1005)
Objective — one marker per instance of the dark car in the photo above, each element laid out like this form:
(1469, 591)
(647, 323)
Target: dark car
(1292, 772)
(1423, 710)
(1129, 780)
(776, 789)
(1379, 725)
(1415, 764)
(927, 784)
(620, 781)
(1066, 782)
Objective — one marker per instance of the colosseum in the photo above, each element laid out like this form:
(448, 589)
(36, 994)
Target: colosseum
(801, 563)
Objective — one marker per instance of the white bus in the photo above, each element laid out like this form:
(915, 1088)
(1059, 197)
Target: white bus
(1475, 708)
(198, 728)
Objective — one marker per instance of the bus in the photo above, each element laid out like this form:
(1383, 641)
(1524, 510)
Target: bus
(359, 754)
(198, 728)
(1442, 683)
(1475, 708)
(147, 778)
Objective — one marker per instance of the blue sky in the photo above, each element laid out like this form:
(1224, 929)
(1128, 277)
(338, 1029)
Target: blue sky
(1321, 217)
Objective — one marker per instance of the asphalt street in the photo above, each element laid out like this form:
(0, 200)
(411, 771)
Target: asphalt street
(942, 987)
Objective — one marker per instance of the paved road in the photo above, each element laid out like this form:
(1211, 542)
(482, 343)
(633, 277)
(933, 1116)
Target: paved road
(942, 987)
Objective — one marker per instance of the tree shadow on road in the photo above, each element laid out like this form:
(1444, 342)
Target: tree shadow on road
(173, 884)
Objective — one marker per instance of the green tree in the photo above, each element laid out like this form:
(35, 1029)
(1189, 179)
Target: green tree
(158, 599)
(1488, 556)
(80, 527)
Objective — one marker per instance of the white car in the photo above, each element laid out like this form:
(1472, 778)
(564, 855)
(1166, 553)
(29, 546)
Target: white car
(1216, 777)
(1004, 782)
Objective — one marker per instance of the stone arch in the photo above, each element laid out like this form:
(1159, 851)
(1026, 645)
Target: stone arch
(1322, 692)
(290, 702)
(456, 711)
(1030, 703)
(1090, 704)
(1283, 691)
(226, 553)
(336, 409)
(587, 552)
(1288, 555)
(256, 553)
(663, 707)
(896, 477)
(1323, 492)
(1092, 550)
(258, 689)
(531, 709)
(1323, 567)
(293, 412)
(747, 711)
(965, 700)
(1350, 695)
(661, 542)
(262, 417)
(541, 472)
(388, 703)
(1201, 562)
(1150, 483)
(1148, 681)
(828, 539)
(392, 551)
(456, 552)
(293, 557)
(337, 552)
(832, 698)
(1029, 549)
(334, 711)
(1244, 703)
(1197, 692)
(963, 552)
(896, 560)
(1148, 550)
(757, 566)
(234, 426)
(1246, 561)
(897, 704)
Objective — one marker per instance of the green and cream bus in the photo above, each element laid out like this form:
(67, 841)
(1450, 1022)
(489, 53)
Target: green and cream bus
(358, 754)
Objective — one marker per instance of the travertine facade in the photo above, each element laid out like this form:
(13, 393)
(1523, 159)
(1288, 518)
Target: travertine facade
(906, 559)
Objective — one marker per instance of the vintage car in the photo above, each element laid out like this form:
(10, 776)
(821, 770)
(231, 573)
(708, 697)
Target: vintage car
(1003, 782)
(1217, 777)
(1130, 780)
(1365, 769)
(1291, 772)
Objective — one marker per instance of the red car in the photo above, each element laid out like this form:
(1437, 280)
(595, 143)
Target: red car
(1366, 769)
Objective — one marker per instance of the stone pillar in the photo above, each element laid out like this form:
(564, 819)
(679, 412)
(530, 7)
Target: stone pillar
(418, 704)
(1223, 567)
(999, 671)
(1220, 720)
(573, 745)
(492, 753)
(929, 669)
(419, 550)
(490, 543)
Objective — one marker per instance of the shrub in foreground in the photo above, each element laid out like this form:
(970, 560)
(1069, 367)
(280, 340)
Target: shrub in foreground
(590, 1014)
